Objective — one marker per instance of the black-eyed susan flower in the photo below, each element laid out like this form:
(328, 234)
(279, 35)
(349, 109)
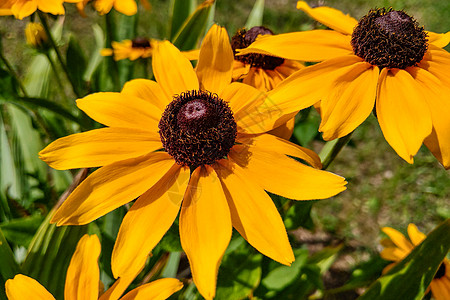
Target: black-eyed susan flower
(131, 49)
(385, 56)
(23, 8)
(83, 280)
(264, 72)
(397, 247)
(127, 7)
(192, 140)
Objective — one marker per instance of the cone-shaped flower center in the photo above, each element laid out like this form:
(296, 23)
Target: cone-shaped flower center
(197, 128)
(140, 42)
(440, 272)
(244, 38)
(389, 38)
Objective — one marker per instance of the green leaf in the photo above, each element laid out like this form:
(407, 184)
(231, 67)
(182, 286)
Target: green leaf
(282, 276)
(76, 64)
(95, 57)
(181, 9)
(9, 267)
(49, 254)
(255, 18)
(193, 28)
(21, 231)
(171, 267)
(239, 273)
(412, 276)
(299, 215)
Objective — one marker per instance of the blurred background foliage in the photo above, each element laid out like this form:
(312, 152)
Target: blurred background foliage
(336, 241)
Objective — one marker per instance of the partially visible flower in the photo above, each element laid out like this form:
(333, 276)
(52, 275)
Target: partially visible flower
(83, 280)
(131, 49)
(397, 247)
(385, 61)
(23, 8)
(193, 143)
(36, 36)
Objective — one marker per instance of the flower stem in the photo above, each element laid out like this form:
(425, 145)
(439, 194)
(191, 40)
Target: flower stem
(43, 19)
(331, 150)
(109, 38)
(55, 70)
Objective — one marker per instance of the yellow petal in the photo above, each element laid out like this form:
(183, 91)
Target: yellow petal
(205, 228)
(288, 178)
(157, 290)
(402, 112)
(112, 186)
(127, 7)
(330, 17)
(121, 284)
(398, 239)
(440, 289)
(350, 102)
(192, 54)
(99, 147)
(103, 6)
(275, 144)
(172, 70)
(121, 110)
(393, 254)
(313, 45)
(300, 90)
(284, 131)
(215, 64)
(254, 214)
(436, 61)
(438, 39)
(147, 90)
(148, 220)
(23, 8)
(83, 274)
(415, 235)
(23, 287)
(54, 7)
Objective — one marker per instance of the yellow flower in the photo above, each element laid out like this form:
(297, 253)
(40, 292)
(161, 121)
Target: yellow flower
(36, 35)
(192, 140)
(261, 71)
(397, 247)
(23, 8)
(83, 280)
(131, 49)
(385, 56)
(127, 7)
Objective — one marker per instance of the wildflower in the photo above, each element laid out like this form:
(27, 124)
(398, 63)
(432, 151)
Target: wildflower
(127, 7)
(397, 247)
(36, 36)
(192, 140)
(385, 56)
(23, 8)
(131, 49)
(83, 278)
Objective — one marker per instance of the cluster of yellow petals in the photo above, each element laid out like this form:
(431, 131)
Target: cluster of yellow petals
(23, 8)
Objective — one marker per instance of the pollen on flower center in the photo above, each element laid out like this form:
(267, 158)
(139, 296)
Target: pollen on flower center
(389, 38)
(244, 38)
(440, 272)
(140, 42)
(197, 128)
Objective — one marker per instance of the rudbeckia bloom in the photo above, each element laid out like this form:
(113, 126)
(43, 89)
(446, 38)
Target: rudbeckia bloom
(397, 247)
(36, 36)
(192, 140)
(385, 56)
(264, 72)
(83, 278)
(127, 7)
(131, 49)
(23, 8)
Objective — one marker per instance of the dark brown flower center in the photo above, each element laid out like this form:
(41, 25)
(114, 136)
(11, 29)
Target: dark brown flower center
(440, 272)
(197, 128)
(244, 38)
(140, 42)
(389, 38)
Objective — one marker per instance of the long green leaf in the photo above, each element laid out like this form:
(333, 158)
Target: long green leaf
(194, 27)
(412, 276)
(255, 18)
(181, 9)
(8, 264)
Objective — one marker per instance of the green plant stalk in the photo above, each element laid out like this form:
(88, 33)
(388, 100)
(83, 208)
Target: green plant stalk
(109, 38)
(13, 74)
(44, 22)
(55, 71)
(331, 150)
